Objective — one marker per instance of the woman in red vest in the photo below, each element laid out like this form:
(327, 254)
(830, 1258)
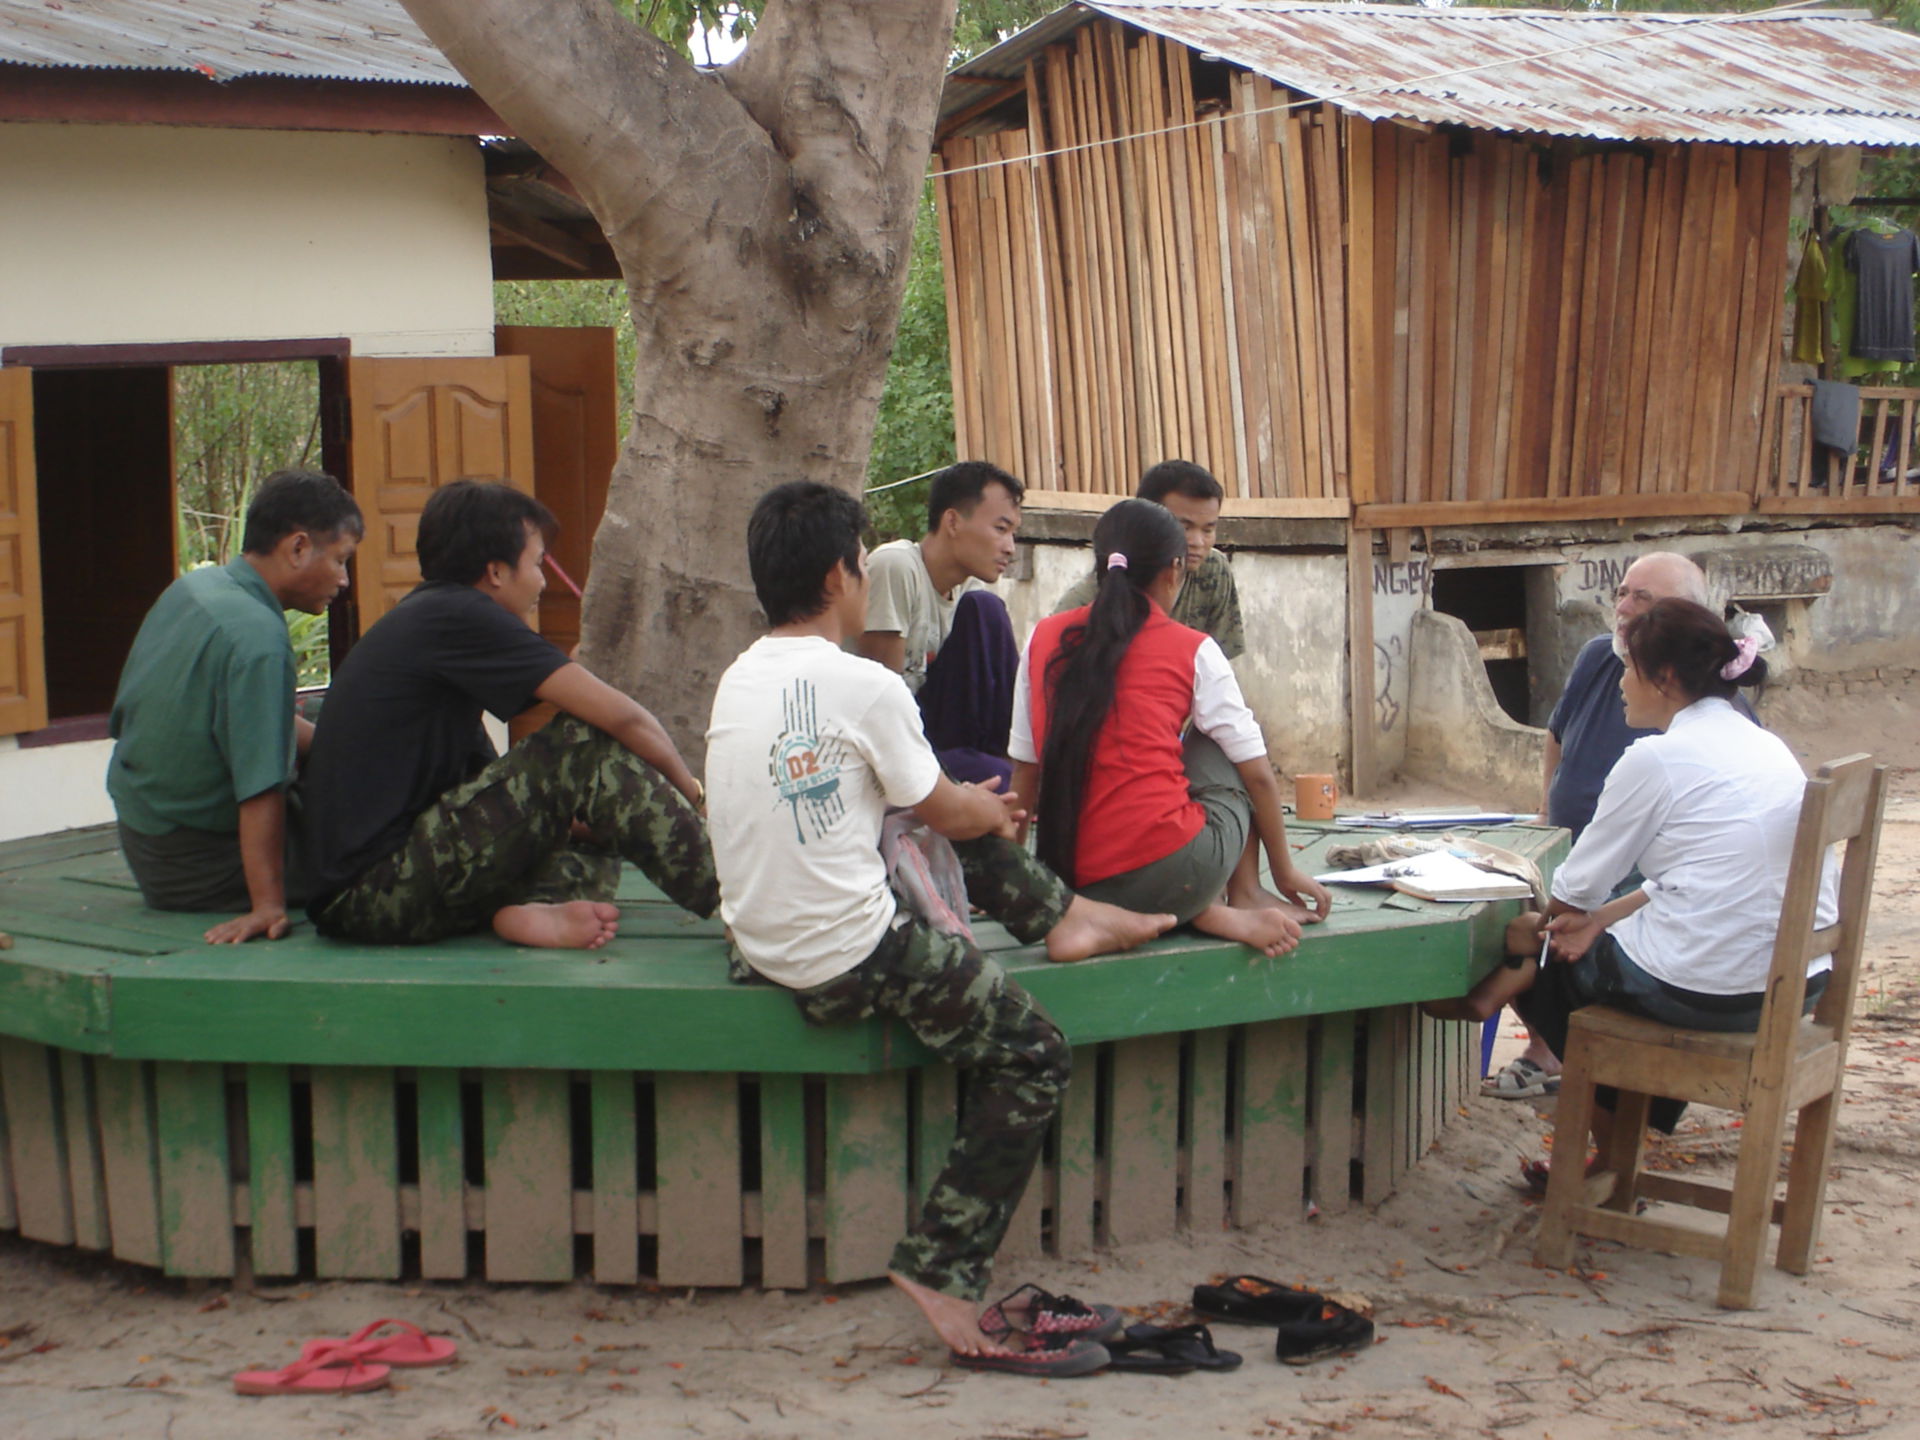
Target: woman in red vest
(1136, 753)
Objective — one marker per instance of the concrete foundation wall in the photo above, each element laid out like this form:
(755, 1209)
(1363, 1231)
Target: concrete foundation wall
(52, 787)
(1457, 733)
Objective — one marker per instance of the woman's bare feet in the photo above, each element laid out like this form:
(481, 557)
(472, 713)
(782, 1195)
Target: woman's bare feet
(576, 925)
(1271, 932)
(1093, 927)
(956, 1320)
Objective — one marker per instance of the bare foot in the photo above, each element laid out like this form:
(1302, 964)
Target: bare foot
(1270, 931)
(956, 1320)
(576, 925)
(1257, 897)
(1093, 927)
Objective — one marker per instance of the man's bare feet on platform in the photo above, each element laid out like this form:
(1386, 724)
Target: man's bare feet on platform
(576, 925)
(1093, 927)
(1270, 931)
(956, 1320)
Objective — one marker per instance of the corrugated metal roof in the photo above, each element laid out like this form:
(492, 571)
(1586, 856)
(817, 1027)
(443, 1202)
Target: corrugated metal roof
(225, 39)
(1816, 77)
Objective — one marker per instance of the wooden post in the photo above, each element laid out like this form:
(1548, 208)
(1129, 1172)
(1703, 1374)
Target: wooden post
(1364, 764)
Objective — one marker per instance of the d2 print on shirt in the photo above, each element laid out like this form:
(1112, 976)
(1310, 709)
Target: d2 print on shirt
(804, 767)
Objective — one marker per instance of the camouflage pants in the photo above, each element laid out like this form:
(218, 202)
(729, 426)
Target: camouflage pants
(1014, 1063)
(503, 838)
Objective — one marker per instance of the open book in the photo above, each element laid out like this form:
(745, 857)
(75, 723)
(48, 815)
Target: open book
(1437, 875)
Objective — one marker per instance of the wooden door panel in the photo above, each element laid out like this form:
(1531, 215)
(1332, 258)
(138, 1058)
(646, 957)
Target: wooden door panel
(417, 424)
(23, 674)
(576, 438)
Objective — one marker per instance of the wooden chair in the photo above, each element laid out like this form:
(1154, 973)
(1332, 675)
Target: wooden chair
(1790, 1063)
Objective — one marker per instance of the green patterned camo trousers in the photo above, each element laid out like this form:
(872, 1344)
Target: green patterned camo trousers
(503, 838)
(1014, 1063)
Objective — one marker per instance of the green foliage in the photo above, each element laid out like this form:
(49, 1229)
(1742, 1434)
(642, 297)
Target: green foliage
(678, 21)
(309, 636)
(914, 431)
(233, 426)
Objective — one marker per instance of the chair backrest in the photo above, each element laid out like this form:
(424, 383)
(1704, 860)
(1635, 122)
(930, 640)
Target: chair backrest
(1842, 805)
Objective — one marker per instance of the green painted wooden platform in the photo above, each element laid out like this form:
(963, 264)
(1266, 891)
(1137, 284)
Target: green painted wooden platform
(470, 1109)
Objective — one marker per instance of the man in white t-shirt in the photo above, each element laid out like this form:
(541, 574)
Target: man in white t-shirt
(933, 619)
(807, 749)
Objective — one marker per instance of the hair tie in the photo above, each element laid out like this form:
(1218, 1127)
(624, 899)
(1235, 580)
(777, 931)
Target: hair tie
(1116, 561)
(1745, 648)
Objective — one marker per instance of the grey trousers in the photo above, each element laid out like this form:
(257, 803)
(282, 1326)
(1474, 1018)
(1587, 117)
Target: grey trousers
(1191, 878)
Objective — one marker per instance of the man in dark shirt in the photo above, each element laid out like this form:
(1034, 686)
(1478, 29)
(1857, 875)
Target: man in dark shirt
(416, 830)
(1586, 735)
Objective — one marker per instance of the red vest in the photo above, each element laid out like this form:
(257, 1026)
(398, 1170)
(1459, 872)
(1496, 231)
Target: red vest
(1137, 808)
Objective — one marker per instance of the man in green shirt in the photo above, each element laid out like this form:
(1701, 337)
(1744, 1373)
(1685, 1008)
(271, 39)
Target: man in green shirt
(206, 737)
(1208, 601)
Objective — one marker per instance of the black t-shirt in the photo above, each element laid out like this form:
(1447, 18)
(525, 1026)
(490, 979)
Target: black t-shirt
(401, 722)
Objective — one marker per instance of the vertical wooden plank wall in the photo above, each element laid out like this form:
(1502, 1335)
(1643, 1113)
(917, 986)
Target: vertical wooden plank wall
(1319, 307)
(1099, 299)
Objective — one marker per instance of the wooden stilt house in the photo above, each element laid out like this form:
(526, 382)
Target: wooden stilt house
(1510, 279)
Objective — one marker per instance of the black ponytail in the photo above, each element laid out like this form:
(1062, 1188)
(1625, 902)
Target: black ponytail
(1134, 543)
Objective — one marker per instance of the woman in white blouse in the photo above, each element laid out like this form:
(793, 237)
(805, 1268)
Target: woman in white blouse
(1705, 811)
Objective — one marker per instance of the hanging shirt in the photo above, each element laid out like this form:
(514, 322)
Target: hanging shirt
(1883, 313)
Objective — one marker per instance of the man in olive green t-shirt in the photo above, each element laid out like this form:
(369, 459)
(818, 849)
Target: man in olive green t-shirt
(203, 720)
(1208, 601)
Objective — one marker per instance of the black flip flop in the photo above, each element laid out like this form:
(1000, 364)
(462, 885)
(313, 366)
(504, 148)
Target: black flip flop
(1169, 1350)
(1336, 1330)
(1249, 1300)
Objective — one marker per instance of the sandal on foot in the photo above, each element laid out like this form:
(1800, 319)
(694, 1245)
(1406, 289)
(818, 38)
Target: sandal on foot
(1249, 1300)
(1335, 1331)
(1048, 1358)
(332, 1370)
(411, 1349)
(1047, 1315)
(1167, 1350)
(1521, 1079)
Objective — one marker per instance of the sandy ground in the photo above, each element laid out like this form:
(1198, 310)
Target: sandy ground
(1473, 1338)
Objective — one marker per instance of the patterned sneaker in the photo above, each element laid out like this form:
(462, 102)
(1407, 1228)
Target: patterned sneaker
(1047, 1316)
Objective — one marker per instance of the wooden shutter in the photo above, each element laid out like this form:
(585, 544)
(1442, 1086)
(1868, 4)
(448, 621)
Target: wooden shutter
(23, 670)
(576, 436)
(417, 424)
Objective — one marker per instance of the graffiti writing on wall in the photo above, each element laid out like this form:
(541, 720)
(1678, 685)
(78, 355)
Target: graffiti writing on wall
(1602, 577)
(1386, 660)
(1400, 577)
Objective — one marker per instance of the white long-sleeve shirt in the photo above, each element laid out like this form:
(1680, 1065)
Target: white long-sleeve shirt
(1707, 812)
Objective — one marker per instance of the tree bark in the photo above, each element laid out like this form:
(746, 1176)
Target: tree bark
(763, 218)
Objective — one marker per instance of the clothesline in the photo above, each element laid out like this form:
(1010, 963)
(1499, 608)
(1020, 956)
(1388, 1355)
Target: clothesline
(1384, 87)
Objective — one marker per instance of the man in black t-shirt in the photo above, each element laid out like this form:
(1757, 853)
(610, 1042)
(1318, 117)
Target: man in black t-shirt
(417, 831)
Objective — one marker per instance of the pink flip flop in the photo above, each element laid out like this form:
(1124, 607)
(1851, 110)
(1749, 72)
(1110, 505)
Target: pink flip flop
(327, 1369)
(411, 1349)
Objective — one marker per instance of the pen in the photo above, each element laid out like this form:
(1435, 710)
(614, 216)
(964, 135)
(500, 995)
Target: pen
(1546, 945)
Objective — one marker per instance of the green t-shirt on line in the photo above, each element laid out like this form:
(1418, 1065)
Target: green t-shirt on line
(203, 718)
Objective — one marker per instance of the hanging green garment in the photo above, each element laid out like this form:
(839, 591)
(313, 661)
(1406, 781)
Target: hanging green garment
(1811, 294)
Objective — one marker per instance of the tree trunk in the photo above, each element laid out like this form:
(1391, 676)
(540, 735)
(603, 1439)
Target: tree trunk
(763, 218)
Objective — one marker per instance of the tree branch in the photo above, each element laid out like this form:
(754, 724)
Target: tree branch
(604, 100)
(847, 90)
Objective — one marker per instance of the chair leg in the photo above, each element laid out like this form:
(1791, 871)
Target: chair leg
(1626, 1142)
(1572, 1117)
(1807, 1183)
(1750, 1211)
